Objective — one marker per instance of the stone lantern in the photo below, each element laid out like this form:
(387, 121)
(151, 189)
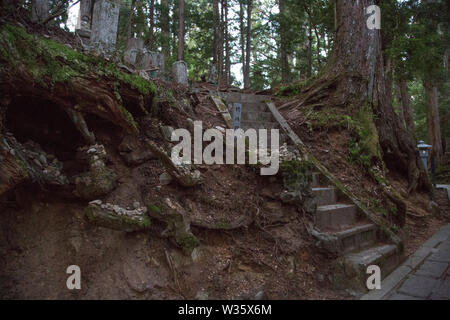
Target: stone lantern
(424, 152)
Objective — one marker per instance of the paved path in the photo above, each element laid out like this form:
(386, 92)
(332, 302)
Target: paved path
(424, 276)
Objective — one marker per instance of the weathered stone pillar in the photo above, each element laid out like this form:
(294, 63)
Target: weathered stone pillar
(212, 74)
(179, 72)
(135, 43)
(85, 15)
(105, 21)
(160, 63)
(40, 10)
(134, 47)
(84, 21)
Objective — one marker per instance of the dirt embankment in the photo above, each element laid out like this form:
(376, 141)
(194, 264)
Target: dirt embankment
(251, 245)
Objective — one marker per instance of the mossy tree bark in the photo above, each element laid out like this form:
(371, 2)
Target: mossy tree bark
(433, 122)
(357, 62)
(354, 78)
(406, 106)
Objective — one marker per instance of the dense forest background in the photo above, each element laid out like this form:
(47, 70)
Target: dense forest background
(261, 44)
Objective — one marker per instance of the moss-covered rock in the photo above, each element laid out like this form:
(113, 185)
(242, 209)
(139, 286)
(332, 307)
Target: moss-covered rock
(178, 223)
(99, 180)
(297, 180)
(117, 218)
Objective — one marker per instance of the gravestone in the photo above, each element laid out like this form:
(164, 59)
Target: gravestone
(212, 74)
(83, 28)
(179, 72)
(85, 15)
(134, 47)
(135, 43)
(104, 24)
(151, 62)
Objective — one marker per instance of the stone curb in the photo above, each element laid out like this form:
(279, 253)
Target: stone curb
(399, 275)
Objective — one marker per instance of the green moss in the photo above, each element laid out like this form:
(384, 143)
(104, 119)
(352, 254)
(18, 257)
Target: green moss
(187, 241)
(153, 208)
(223, 225)
(297, 175)
(53, 62)
(364, 148)
(146, 222)
(129, 117)
(294, 89)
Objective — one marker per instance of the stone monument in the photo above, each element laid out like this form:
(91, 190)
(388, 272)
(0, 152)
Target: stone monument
(105, 21)
(179, 73)
(83, 28)
(134, 47)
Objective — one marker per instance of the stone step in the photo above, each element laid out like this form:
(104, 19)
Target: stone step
(356, 238)
(350, 240)
(324, 196)
(335, 216)
(316, 180)
(255, 107)
(257, 116)
(243, 98)
(259, 125)
(351, 269)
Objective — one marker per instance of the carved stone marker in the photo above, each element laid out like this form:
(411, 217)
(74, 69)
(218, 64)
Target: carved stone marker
(83, 28)
(135, 43)
(179, 72)
(104, 24)
(150, 61)
(134, 47)
(212, 74)
(85, 15)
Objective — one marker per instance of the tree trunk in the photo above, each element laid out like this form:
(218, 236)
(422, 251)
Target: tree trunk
(310, 59)
(181, 32)
(406, 107)
(165, 28)
(174, 29)
(249, 45)
(40, 10)
(227, 47)
(220, 56)
(130, 20)
(354, 79)
(216, 19)
(152, 25)
(400, 112)
(242, 35)
(433, 123)
(283, 43)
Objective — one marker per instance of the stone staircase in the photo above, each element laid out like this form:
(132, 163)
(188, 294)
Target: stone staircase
(255, 112)
(341, 226)
(353, 238)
